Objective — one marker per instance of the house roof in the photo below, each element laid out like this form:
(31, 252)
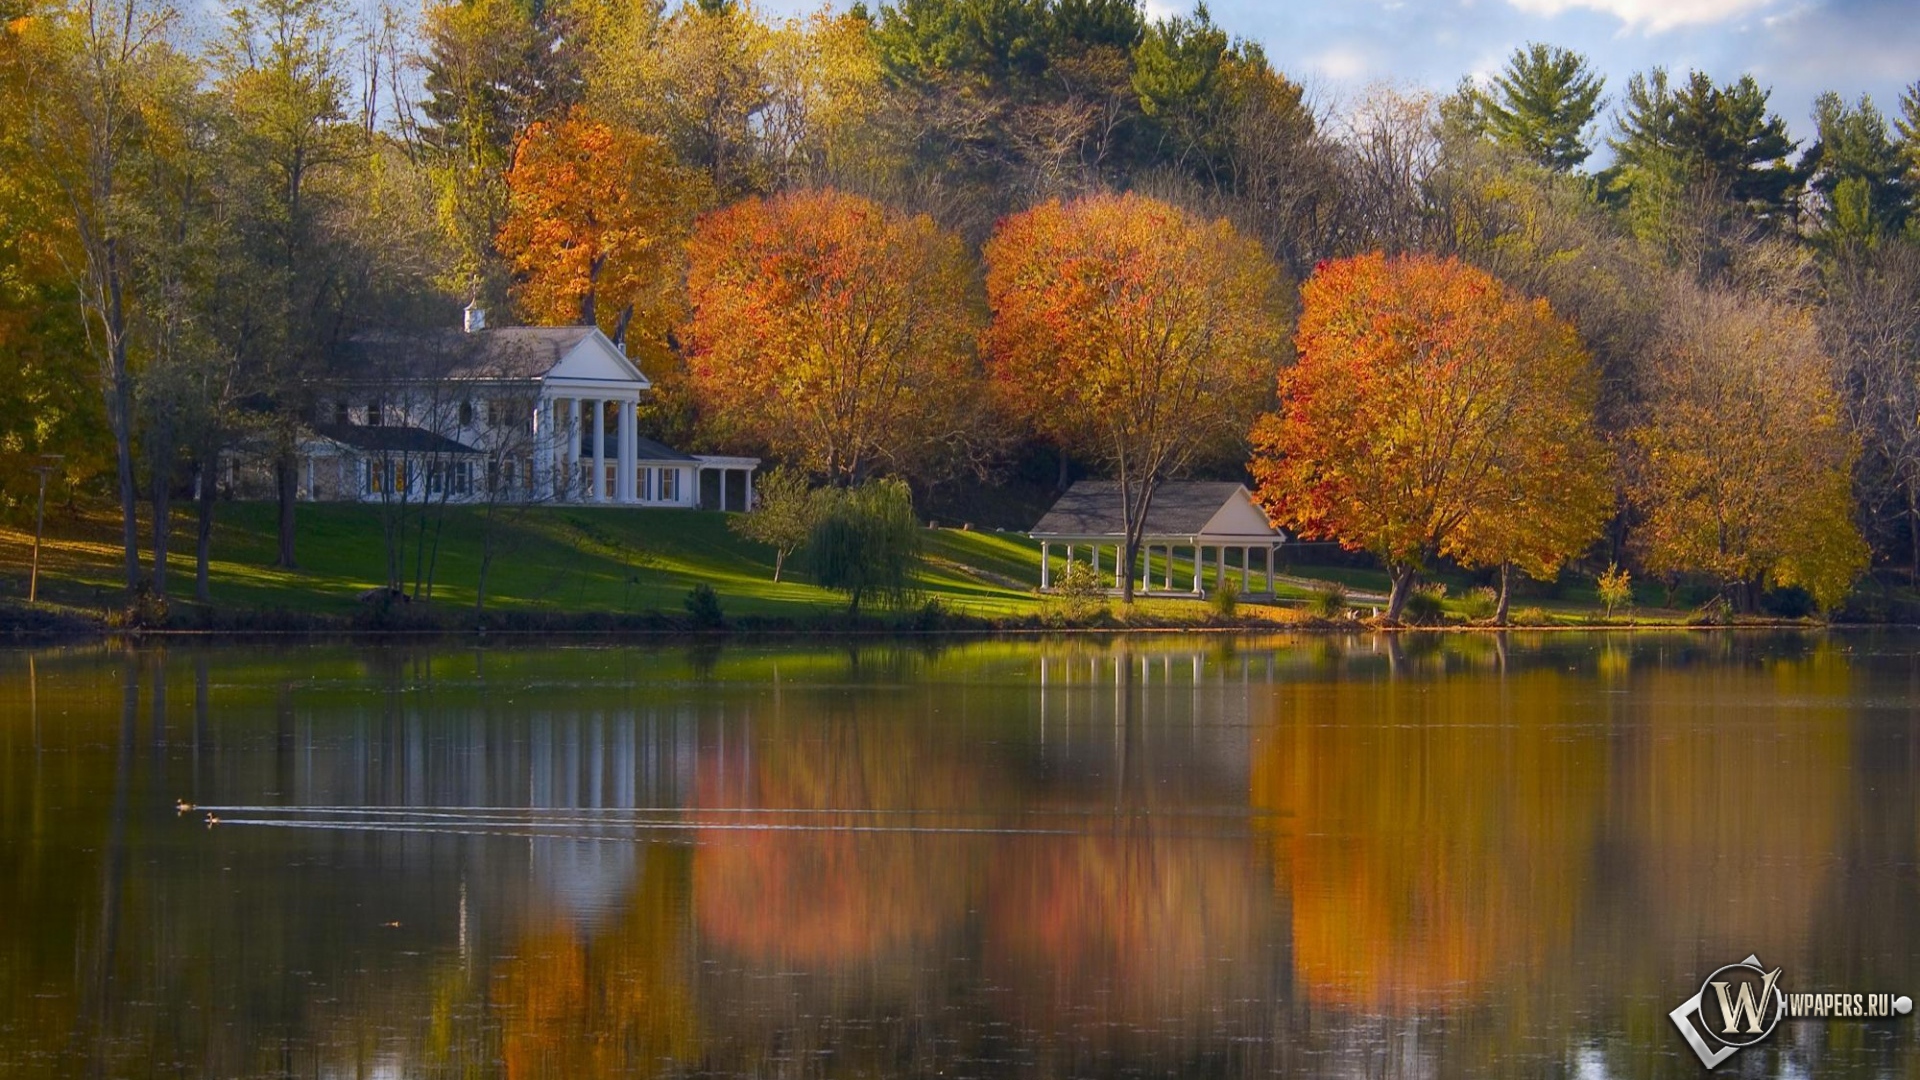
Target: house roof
(511, 352)
(391, 440)
(1091, 508)
(646, 449)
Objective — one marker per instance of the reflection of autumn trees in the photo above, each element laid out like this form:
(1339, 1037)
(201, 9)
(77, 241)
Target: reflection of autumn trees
(614, 1003)
(834, 896)
(1435, 836)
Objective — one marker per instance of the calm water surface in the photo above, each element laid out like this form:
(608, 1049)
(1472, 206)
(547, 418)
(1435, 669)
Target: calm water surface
(1463, 856)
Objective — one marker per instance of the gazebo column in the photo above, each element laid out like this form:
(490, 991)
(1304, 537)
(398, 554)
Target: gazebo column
(1121, 570)
(599, 485)
(1146, 570)
(1270, 570)
(1046, 572)
(1220, 566)
(749, 502)
(1199, 567)
(1169, 567)
(573, 448)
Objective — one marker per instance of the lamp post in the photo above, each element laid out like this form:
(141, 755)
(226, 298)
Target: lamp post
(48, 463)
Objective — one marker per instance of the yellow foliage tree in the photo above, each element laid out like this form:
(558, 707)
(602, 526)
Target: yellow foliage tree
(1742, 470)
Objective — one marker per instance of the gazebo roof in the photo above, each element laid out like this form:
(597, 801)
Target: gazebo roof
(1215, 510)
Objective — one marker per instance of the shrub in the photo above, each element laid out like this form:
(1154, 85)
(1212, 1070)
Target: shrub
(1531, 616)
(1079, 595)
(1481, 603)
(1792, 602)
(785, 512)
(1425, 607)
(1329, 601)
(1225, 599)
(1615, 586)
(703, 607)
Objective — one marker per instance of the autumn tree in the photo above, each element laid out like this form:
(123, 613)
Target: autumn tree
(785, 509)
(866, 542)
(594, 232)
(1432, 413)
(833, 331)
(1131, 333)
(1743, 467)
(104, 78)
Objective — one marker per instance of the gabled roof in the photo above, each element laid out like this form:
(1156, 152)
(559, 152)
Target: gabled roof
(507, 353)
(391, 440)
(1222, 509)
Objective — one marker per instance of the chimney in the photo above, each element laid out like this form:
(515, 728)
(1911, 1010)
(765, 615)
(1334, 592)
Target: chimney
(476, 319)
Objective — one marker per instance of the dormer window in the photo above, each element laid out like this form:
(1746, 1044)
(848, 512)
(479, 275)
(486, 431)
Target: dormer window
(466, 414)
(342, 415)
(374, 414)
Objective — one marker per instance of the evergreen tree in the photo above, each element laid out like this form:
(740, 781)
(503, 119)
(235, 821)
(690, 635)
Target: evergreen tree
(1541, 105)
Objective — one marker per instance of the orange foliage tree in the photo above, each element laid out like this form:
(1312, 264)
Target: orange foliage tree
(833, 331)
(1434, 412)
(596, 225)
(1131, 332)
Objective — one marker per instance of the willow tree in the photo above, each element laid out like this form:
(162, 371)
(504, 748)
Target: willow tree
(1132, 333)
(1434, 412)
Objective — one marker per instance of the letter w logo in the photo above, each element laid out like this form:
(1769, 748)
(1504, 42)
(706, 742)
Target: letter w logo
(1744, 1007)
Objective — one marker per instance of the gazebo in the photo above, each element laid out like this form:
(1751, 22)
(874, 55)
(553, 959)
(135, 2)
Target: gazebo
(1195, 517)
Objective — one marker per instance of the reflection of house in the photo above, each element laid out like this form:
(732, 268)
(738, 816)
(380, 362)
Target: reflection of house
(1196, 518)
(517, 414)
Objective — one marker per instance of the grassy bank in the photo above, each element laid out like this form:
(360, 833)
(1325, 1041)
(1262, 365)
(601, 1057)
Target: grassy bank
(597, 568)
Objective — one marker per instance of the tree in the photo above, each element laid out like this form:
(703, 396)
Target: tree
(1541, 104)
(493, 68)
(1720, 138)
(104, 72)
(1742, 468)
(783, 515)
(1870, 325)
(599, 213)
(1855, 165)
(866, 542)
(1131, 333)
(1433, 412)
(835, 332)
(282, 77)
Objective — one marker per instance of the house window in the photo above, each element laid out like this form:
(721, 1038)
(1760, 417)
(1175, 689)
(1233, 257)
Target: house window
(613, 480)
(342, 415)
(669, 485)
(463, 478)
(643, 484)
(374, 414)
(466, 414)
(386, 476)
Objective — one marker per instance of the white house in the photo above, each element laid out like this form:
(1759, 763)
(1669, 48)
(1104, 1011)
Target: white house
(511, 414)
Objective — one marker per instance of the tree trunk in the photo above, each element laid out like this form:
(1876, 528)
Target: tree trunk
(287, 477)
(1403, 577)
(1506, 582)
(779, 563)
(1913, 535)
(203, 541)
(120, 420)
(1060, 479)
(1129, 551)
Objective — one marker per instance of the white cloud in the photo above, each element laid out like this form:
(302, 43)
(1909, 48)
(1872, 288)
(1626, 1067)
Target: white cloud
(1162, 9)
(1653, 16)
(1340, 63)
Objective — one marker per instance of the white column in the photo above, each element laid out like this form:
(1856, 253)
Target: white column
(1269, 569)
(1220, 566)
(1095, 549)
(1169, 567)
(749, 487)
(1046, 574)
(548, 448)
(623, 487)
(599, 485)
(1199, 567)
(1120, 569)
(569, 431)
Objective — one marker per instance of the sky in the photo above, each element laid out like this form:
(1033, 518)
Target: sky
(1798, 48)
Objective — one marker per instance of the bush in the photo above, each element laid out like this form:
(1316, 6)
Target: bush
(1425, 606)
(1329, 601)
(1792, 602)
(1531, 616)
(1079, 596)
(1615, 586)
(703, 607)
(931, 616)
(1225, 599)
(1481, 603)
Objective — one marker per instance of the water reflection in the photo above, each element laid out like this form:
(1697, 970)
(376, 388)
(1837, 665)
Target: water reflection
(1483, 855)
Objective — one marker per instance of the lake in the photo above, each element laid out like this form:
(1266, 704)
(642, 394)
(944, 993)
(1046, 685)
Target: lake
(1298, 856)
